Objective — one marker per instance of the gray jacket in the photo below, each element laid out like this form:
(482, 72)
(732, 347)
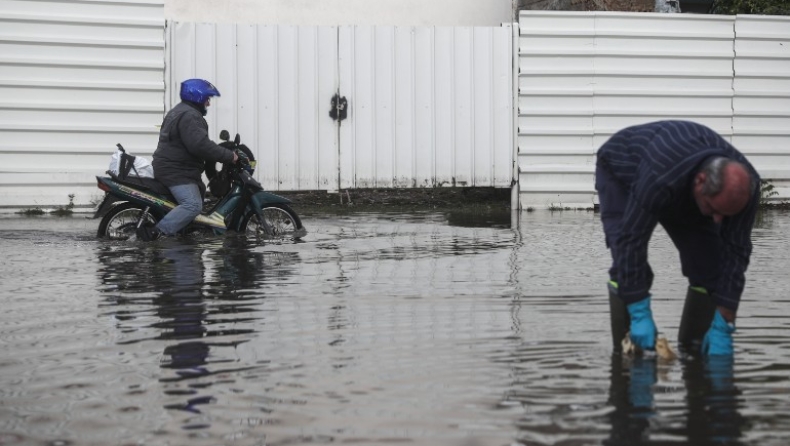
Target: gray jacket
(184, 147)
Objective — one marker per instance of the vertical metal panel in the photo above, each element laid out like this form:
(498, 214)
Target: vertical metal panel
(384, 104)
(404, 116)
(761, 107)
(276, 84)
(75, 79)
(356, 158)
(463, 103)
(426, 106)
(584, 76)
(444, 107)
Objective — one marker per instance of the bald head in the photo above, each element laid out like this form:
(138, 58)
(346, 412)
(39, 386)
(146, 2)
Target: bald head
(722, 188)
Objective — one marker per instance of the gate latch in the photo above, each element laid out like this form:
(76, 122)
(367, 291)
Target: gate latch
(339, 109)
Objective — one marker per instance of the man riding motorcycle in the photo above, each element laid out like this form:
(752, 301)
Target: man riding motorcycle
(180, 157)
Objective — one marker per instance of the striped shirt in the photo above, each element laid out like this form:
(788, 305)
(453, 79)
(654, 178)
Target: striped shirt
(657, 163)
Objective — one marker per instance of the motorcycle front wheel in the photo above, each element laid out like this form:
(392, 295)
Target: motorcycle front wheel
(120, 223)
(283, 220)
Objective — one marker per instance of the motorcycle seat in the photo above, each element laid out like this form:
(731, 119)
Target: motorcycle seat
(143, 184)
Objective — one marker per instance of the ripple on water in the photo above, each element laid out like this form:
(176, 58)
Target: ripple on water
(376, 329)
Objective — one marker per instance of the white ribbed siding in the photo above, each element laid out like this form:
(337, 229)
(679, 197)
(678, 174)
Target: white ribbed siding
(76, 77)
(761, 106)
(583, 76)
(555, 108)
(426, 106)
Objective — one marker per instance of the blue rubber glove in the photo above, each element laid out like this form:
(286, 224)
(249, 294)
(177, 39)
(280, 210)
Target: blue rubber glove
(718, 339)
(643, 329)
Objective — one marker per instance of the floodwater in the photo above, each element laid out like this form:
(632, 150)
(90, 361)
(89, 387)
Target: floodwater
(377, 329)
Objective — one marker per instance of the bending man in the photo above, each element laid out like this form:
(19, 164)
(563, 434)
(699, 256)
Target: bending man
(705, 194)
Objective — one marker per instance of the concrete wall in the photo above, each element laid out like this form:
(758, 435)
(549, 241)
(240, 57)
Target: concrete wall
(344, 12)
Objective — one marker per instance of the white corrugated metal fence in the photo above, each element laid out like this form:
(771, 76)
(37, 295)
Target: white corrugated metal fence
(761, 102)
(75, 79)
(276, 84)
(426, 106)
(583, 76)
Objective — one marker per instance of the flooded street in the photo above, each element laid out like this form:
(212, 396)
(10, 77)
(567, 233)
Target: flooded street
(376, 329)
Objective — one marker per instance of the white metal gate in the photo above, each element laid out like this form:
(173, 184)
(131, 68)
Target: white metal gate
(276, 83)
(425, 106)
(75, 79)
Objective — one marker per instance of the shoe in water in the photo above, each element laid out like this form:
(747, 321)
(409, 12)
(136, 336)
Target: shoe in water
(148, 233)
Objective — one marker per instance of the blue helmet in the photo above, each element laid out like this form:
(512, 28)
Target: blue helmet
(197, 91)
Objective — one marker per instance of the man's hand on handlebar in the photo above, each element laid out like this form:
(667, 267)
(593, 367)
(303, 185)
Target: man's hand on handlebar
(243, 160)
(242, 157)
(235, 157)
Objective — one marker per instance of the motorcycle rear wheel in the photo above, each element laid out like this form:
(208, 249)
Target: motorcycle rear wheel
(282, 219)
(120, 223)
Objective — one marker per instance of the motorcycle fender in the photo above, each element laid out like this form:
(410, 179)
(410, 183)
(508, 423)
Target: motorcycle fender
(264, 197)
(106, 204)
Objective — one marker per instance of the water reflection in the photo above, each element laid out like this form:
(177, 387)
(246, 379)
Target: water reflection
(713, 402)
(711, 414)
(205, 299)
(379, 329)
(488, 218)
(182, 311)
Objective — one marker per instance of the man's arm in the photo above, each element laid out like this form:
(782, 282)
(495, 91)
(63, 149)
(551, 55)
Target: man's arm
(194, 135)
(630, 252)
(736, 234)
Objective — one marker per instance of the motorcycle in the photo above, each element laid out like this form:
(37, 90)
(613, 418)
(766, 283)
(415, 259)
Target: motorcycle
(240, 202)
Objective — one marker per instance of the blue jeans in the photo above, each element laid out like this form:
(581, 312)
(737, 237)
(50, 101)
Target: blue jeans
(190, 203)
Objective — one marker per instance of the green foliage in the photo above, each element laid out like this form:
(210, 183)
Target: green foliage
(67, 209)
(766, 191)
(31, 212)
(767, 7)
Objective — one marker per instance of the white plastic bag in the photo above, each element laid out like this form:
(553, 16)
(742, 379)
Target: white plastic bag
(141, 165)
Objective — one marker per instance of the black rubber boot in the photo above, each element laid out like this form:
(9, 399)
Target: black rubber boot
(621, 321)
(698, 312)
(148, 232)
